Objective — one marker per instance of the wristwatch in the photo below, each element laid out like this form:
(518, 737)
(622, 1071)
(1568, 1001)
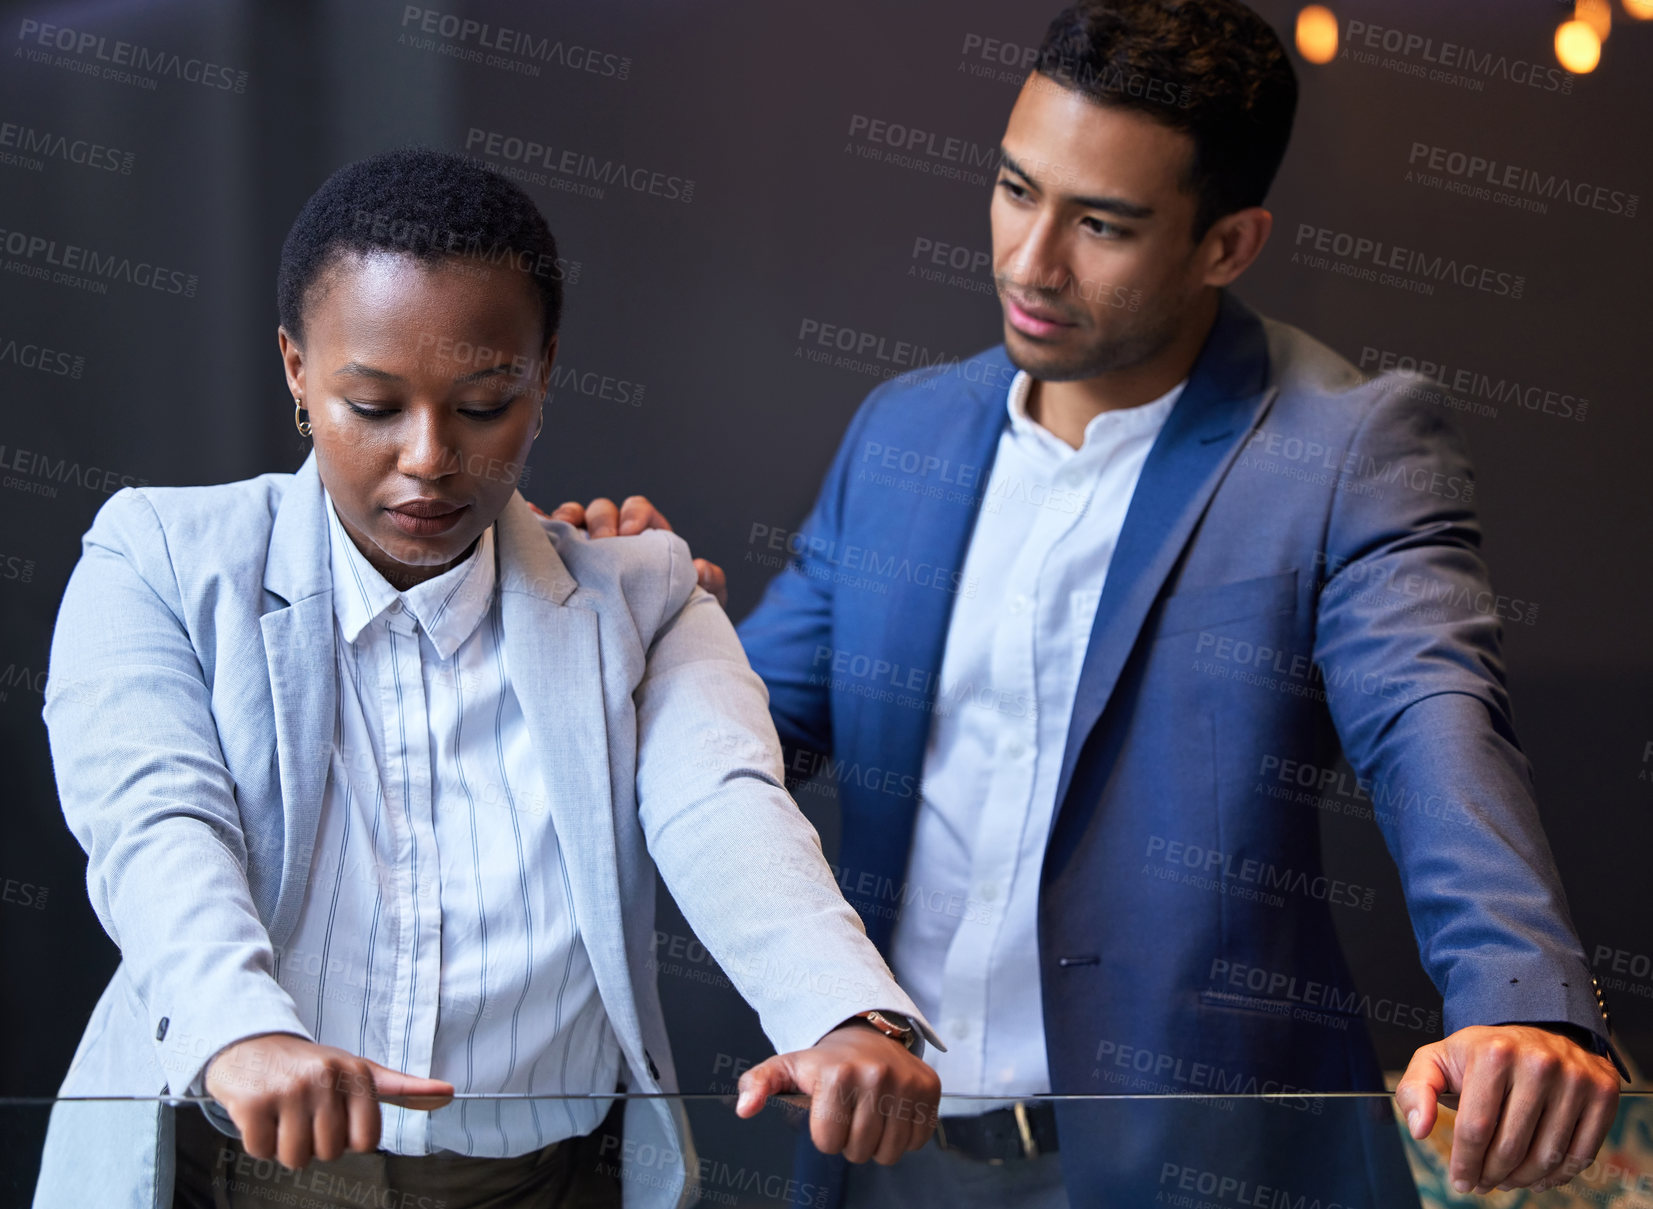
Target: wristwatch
(893, 1025)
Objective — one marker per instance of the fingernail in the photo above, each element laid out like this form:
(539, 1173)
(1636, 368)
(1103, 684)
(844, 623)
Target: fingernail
(745, 1099)
(1412, 1119)
(1460, 1185)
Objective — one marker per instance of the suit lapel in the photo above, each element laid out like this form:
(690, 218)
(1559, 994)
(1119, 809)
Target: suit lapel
(935, 532)
(910, 630)
(298, 648)
(1226, 394)
(554, 658)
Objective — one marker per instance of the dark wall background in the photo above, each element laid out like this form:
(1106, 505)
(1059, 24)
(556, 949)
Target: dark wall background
(697, 303)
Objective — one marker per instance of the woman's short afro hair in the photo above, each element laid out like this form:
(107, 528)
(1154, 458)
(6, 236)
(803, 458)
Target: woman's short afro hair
(431, 205)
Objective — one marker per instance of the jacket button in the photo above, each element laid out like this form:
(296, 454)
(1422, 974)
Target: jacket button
(160, 1030)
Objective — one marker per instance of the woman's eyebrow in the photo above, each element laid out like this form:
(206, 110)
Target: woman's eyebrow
(355, 369)
(504, 367)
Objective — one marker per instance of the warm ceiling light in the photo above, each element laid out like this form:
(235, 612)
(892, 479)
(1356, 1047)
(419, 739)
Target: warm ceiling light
(1597, 14)
(1577, 47)
(1317, 33)
(1641, 10)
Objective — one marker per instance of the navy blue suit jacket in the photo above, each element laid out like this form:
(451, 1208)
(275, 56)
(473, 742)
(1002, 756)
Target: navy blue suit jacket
(1298, 573)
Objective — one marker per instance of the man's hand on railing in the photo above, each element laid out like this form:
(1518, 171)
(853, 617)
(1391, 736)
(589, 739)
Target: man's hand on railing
(1533, 1106)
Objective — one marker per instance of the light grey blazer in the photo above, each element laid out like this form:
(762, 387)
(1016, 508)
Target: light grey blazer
(190, 702)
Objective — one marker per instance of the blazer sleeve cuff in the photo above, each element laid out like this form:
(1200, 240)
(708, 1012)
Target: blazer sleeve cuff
(1539, 992)
(1593, 1041)
(190, 1043)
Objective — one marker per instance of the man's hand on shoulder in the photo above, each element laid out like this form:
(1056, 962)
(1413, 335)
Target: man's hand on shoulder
(1533, 1106)
(601, 518)
(869, 1098)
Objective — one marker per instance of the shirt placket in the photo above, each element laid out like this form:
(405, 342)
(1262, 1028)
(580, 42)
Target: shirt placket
(1011, 694)
(408, 786)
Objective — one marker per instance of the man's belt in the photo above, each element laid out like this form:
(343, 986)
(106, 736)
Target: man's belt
(1025, 1130)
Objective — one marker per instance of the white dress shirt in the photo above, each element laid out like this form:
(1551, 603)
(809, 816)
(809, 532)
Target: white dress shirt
(437, 934)
(1050, 518)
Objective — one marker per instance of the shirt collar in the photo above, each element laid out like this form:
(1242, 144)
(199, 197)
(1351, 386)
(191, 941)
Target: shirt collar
(447, 606)
(1125, 421)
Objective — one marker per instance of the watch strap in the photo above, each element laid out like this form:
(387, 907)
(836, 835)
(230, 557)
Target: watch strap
(893, 1025)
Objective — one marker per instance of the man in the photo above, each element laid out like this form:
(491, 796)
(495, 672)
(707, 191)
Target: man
(1086, 590)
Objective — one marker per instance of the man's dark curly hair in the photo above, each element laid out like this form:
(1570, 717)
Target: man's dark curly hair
(431, 205)
(1210, 68)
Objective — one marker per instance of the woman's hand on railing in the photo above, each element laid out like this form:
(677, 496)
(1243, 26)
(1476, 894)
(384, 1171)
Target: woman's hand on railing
(869, 1098)
(294, 1100)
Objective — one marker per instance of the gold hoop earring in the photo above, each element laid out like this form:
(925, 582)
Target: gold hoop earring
(301, 418)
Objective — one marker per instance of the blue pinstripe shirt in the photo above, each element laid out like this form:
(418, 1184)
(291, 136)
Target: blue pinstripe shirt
(437, 934)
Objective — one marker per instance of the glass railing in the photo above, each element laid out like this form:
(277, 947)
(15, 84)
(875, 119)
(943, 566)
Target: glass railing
(1299, 1151)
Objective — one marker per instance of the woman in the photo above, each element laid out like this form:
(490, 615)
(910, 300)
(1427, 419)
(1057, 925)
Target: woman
(370, 764)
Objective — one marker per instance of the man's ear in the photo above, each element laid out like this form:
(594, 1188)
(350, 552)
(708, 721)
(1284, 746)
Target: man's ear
(1233, 242)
